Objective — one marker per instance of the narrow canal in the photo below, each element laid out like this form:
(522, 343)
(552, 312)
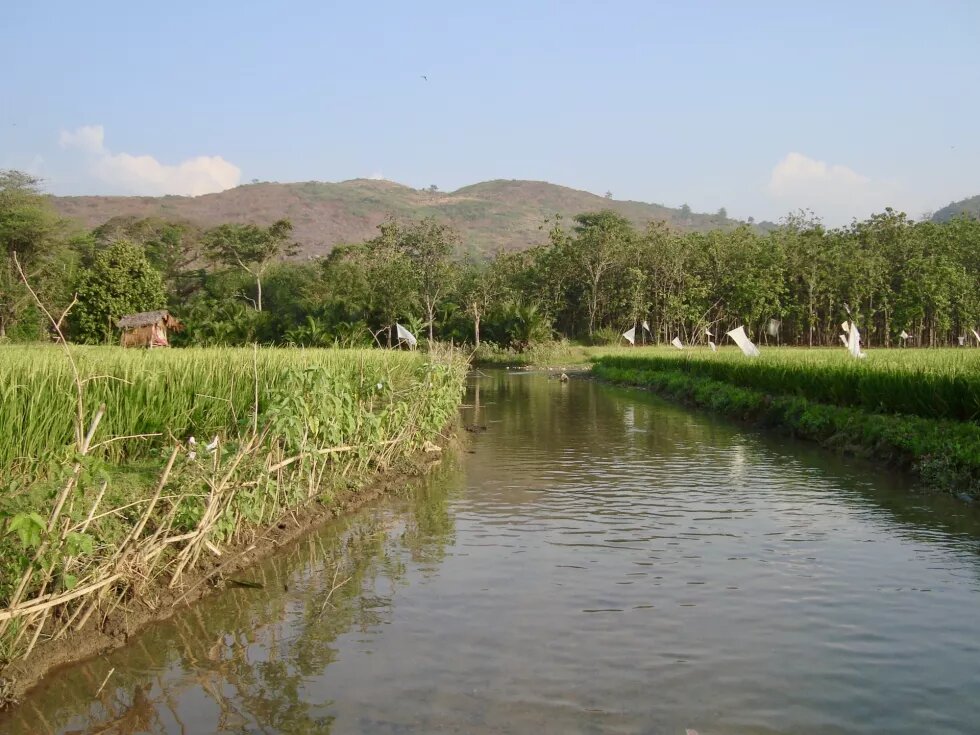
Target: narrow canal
(596, 561)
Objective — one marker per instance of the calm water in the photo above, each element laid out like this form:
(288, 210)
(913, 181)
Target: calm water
(597, 562)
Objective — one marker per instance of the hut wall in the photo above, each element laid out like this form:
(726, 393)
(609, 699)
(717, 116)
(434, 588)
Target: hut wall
(137, 336)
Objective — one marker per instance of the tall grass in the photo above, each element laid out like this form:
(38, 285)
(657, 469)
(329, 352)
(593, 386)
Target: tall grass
(938, 384)
(166, 393)
(105, 496)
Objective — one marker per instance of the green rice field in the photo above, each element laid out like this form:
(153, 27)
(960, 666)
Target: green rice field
(931, 383)
(158, 396)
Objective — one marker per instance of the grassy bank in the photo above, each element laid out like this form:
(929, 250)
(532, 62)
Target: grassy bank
(107, 501)
(918, 410)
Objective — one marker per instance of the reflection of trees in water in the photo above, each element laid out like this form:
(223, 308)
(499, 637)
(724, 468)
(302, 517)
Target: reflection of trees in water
(249, 651)
(431, 528)
(537, 410)
(534, 421)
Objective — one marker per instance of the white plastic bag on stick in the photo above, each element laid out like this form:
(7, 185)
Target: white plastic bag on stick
(677, 343)
(742, 340)
(405, 336)
(630, 335)
(854, 341)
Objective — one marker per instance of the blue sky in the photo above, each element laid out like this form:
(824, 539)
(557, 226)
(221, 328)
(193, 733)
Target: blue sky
(842, 107)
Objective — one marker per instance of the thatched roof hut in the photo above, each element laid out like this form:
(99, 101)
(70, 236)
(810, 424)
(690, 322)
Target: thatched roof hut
(148, 328)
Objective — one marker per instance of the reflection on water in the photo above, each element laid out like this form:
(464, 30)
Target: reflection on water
(598, 561)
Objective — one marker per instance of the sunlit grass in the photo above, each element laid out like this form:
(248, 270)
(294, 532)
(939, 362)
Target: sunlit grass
(934, 383)
(170, 393)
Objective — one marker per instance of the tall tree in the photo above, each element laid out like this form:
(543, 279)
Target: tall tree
(600, 240)
(120, 281)
(30, 229)
(251, 248)
(172, 247)
(430, 245)
(480, 287)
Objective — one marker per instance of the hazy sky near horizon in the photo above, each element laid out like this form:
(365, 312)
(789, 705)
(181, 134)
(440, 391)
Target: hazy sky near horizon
(759, 107)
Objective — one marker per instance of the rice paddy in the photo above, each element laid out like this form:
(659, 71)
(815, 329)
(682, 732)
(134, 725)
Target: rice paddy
(931, 383)
(157, 396)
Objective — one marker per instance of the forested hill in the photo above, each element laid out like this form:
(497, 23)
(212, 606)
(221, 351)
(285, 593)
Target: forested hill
(969, 207)
(492, 215)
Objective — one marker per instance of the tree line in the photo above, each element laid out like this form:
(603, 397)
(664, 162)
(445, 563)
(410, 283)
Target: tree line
(595, 277)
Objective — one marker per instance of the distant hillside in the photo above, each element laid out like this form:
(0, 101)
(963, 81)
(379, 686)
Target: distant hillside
(969, 207)
(491, 215)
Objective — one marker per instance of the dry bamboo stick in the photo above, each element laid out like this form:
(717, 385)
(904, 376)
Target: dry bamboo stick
(138, 529)
(32, 606)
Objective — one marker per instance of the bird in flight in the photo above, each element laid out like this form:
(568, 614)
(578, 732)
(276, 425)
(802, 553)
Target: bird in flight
(425, 77)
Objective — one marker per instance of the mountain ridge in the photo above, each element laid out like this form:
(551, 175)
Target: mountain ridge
(500, 214)
(968, 207)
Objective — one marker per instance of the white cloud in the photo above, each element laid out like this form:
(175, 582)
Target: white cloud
(835, 192)
(89, 138)
(145, 174)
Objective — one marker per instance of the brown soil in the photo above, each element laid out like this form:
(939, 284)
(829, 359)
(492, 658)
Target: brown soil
(98, 637)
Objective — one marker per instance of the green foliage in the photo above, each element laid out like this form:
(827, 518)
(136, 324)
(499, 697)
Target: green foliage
(120, 281)
(597, 275)
(606, 336)
(29, 229)
(251, 248)
(933, 384)
(171, 247)
(428, 248)
(29, 528)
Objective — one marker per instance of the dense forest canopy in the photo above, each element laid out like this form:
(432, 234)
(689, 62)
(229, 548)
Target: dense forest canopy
(595, 276)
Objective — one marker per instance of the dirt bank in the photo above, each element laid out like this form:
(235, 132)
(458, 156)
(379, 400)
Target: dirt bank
(113, 630)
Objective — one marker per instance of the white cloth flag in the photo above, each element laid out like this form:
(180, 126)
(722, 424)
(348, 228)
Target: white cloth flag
(854, 341)
(630, 335)
(677, 343)
(976, 334)
(742, 340)
(646, 326)
(961, 340)
(906, 335)
(405, 336)
(773, 328)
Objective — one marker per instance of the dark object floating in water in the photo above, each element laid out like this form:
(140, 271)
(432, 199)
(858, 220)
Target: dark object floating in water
(475, 428)
(246, 583)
